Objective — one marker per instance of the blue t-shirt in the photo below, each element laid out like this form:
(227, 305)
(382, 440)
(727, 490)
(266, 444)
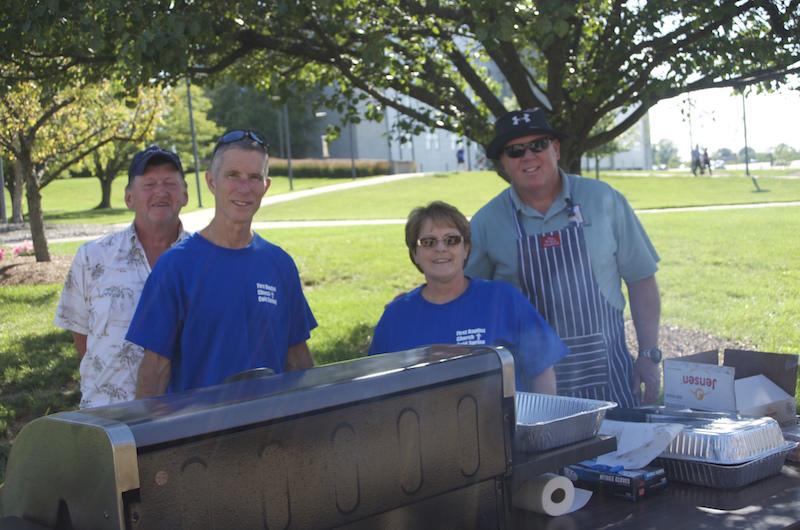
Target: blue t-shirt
(489, 312)
(216, 311)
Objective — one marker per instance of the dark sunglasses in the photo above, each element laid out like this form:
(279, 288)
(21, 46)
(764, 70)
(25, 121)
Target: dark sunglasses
(449, 241)
(535, 146)
(240, 134)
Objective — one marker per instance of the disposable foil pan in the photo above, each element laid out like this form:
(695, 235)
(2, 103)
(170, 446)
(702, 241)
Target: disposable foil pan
(792, 434)
(545, 421)
(726, 441)
(722, 476)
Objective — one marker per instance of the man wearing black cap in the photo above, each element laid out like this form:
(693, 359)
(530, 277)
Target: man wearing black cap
(106, 279)
(568, 243)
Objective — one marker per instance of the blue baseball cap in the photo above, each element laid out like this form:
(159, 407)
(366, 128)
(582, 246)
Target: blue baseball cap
(516, 124)
(152, 155)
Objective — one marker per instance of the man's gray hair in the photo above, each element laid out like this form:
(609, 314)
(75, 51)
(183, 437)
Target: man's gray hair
(245, 144)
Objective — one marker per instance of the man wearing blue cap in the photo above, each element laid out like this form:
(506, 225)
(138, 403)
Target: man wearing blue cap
(568, 243)
(107, 276)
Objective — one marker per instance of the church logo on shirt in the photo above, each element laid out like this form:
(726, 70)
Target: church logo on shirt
(550, 240)
(471, 336)
(266, 293)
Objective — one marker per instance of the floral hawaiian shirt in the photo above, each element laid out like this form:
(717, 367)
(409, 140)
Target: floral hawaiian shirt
(100, 295)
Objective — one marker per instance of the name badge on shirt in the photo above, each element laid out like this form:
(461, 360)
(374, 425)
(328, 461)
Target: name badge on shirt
(576, 216)
(550, 240)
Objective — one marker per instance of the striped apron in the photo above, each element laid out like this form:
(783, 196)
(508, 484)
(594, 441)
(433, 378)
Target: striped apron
(556, 276)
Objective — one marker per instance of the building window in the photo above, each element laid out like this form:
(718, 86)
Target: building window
(432, 140)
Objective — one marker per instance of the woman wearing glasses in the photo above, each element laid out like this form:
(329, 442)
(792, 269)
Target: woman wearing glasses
(450, 308)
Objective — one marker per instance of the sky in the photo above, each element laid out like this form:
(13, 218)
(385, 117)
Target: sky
(716, 120)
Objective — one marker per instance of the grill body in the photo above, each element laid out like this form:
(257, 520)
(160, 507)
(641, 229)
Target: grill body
(416, 439)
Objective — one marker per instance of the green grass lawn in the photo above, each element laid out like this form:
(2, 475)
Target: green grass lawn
(732, 274)
(73, 200)
(469, 191)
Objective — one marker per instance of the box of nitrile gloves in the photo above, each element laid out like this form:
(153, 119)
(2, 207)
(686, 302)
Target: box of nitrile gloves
(631, 484)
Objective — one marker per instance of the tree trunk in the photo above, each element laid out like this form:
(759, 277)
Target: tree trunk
(572, 165)
(571, 157)
(597, 167)
(106, 181)
(35, 210)
(16, 195)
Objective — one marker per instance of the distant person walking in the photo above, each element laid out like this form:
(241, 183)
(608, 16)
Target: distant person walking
(460, 166)
(706, 161)
(696, 163)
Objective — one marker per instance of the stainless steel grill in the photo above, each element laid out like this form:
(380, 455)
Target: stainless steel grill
(416, 439)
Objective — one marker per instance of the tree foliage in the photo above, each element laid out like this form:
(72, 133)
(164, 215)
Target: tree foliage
(175, 133)
(137, 118)
(235, 106)
(784, 154)
(724, 154)
(459, 60)
(665, 153)
(48, 131)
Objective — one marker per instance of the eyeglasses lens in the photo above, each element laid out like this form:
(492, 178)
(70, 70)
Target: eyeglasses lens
(536, 146)
(430, 242)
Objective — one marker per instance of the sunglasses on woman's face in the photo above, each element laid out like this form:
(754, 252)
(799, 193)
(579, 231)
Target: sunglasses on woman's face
(449, 241)
(535, 146)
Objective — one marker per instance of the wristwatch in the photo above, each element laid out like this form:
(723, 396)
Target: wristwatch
(654, 354)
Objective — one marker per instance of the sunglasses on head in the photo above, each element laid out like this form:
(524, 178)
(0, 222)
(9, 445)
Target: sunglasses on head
(449, 241)
(535, 146)
(240, 134)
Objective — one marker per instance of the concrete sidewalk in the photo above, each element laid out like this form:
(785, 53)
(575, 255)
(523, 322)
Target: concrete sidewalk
(199, 219)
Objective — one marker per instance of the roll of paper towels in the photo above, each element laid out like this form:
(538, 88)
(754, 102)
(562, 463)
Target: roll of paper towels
(550, 494)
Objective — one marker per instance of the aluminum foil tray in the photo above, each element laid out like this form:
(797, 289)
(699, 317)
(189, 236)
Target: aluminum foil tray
(726, 441)
(791, 433)
(545, 421)
(722, 476)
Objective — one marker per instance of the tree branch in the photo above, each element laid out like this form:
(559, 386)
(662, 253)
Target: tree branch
(477, 84)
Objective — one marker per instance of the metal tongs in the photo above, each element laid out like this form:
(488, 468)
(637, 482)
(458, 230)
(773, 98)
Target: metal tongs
(661, 414)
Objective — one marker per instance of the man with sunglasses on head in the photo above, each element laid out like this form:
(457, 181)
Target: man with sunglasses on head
(225, 300)
(106, 279)
(568, 243)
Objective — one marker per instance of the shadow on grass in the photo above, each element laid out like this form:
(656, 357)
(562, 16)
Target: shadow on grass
(355, 344)
(17, 295)
(39, 376)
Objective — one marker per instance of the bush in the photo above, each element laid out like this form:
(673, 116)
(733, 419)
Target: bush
(328, 167)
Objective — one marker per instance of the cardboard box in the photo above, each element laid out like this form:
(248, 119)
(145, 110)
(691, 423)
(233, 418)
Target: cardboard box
(630, 484)
(748, 382)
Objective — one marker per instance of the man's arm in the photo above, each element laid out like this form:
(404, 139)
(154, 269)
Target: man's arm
(545, 382)
(79, 339)
(646, 313)
(298, 357)
(154, 374)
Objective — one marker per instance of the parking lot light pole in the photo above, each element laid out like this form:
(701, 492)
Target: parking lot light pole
(288, 137)
(746, 148)
(352, 151)
(194, 143)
